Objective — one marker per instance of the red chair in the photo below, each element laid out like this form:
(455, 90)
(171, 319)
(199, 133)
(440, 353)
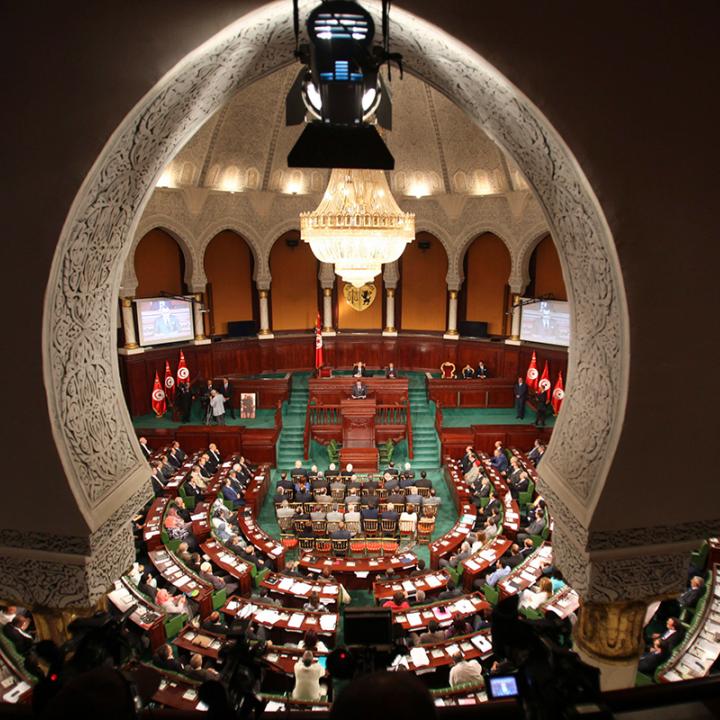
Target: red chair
(447, 369)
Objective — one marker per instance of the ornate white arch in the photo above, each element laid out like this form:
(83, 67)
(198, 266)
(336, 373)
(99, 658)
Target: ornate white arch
(207, 233)
(90, 424)
(469, 235)
(194, 272)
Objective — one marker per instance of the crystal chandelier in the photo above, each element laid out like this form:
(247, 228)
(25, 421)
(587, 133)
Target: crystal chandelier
(358, 226)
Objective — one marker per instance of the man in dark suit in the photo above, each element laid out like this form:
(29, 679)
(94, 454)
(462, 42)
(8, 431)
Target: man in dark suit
(520, 485)
(342, 533)
(226, 390)
(158, 480)
(689, 599)
(183, 401)
(520, 391)
(535, 527)
(468, 459)
(359, 369)
(499, 460)
(369, 513)
(654, 657)
(146, 449)
(231, 494)
(423, 481)
(204, 467)
(672, 636)
(390, 372)
(213, 457)
(513, 558)
(541, 406)
(390, 513)
(481, 371)
(359, 390)
(16, 632)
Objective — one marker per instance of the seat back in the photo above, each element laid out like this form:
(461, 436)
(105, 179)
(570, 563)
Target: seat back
(340, 546)
(307, 544)
(323, 545)
(407, 527)
(388, 527)
(285, 524)
(425, 529)
(371, 526)
(429, 511)
(300, 525)
(491, 594)
(353, 526)
(423, 492)
(319, 527)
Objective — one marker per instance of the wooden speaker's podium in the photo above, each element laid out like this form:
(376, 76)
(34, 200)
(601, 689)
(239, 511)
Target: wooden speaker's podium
(358, 425)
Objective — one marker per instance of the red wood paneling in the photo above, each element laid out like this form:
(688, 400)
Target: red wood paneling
(251, 356)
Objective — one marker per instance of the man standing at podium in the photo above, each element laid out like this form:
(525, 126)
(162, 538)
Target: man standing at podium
(359, 390)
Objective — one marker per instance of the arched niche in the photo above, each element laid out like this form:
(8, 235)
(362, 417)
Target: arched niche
(423, 290)
(545, 271)
(485, 292)
(229, 267)
(159, 265)
(294, 289)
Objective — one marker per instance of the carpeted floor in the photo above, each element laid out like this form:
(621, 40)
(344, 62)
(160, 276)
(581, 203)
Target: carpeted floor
(464, 417)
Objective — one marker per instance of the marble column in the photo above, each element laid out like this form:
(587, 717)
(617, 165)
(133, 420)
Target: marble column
(452, 332)
(200, 338)
(515, 327)
(264, 333)
(390, 329)
(327, 328)
(128, 322)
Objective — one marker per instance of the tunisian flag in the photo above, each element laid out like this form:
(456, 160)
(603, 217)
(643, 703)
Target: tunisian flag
(169, 384)
(545, 384)
(183, 374)
(158, 397)
(318, 344)
(531, 379)
(558, 394)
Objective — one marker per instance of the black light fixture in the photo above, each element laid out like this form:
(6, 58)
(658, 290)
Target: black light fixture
(340, 88)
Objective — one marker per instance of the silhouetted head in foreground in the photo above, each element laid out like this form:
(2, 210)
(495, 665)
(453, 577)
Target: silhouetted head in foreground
(396, 695)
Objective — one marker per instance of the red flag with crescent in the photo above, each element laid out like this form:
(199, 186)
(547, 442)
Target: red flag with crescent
(318, 344)
(169, 384)
(544, 385)
(158, 397)
(558, 394)
(183, 374)
(531, 379)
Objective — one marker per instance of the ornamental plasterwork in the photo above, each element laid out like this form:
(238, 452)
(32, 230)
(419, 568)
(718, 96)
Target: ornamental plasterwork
(90, 423)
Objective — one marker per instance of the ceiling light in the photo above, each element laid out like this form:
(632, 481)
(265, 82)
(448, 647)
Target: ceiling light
(358, 227)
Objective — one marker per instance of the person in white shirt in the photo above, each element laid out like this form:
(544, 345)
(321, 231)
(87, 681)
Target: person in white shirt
(308, 674)
(409, 517)
(217, 403)
(466, 671)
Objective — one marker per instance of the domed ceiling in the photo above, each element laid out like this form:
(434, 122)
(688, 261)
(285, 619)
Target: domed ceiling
(437, 149)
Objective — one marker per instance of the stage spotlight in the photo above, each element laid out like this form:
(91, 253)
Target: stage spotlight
(341, 90)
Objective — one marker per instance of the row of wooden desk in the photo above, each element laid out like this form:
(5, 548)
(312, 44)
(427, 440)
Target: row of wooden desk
(281, 621)
(360, 573)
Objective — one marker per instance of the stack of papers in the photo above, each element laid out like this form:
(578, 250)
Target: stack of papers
(286, 584)
(296, 620)
(414, 619)
(433, 581)
(328, 622)
(419, 657)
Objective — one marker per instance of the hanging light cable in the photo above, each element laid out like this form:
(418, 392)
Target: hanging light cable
(358, 226)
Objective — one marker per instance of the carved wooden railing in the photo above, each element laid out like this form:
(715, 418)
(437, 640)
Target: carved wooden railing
(438, 418)
(306, 432)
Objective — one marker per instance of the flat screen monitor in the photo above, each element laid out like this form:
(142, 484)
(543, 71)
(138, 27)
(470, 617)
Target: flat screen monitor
(368, 626)
(164, 320)
(503, 686)
(545, 321)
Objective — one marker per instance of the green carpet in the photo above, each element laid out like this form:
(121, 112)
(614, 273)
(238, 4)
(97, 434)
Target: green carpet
(464, 417)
